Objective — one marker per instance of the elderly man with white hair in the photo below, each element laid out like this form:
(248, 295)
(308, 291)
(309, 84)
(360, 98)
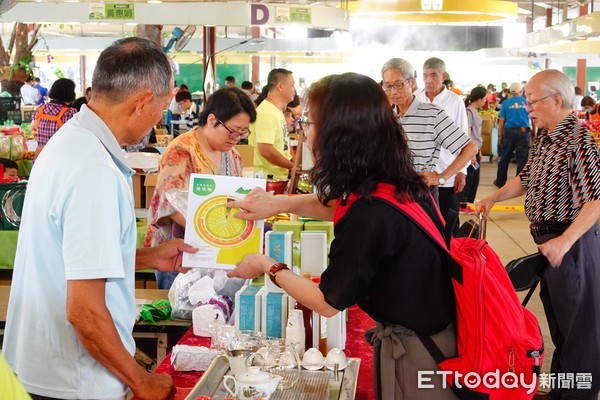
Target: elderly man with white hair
(561, 183)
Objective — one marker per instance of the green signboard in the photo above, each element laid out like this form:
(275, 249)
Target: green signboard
(112, 11)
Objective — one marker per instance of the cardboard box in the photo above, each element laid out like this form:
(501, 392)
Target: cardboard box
(139, 196)
(149, 185)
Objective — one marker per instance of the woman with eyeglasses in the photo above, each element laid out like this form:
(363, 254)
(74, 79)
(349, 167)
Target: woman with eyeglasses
(206, 149)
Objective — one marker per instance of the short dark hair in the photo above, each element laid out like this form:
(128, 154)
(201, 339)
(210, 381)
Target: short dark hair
(88, 90)
(38, 80)
(230, 79)
(275, 76)
(130, 65)
(8, 164)
(588, 101)
(247, 85)
(226, 103)
(183, 95)
(62, 91)
(29, 78)
(358, 142)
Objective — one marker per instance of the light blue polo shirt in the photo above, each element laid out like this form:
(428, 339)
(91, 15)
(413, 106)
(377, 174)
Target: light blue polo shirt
(78, 223)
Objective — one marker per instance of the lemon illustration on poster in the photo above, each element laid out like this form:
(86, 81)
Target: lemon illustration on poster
(211, 226)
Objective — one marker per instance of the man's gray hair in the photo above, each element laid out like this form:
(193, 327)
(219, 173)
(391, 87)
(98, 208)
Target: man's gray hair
(401, 65)
(554, 81)
(435, 63)
(129, 66)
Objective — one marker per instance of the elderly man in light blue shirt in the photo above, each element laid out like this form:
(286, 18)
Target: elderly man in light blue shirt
(72, 304)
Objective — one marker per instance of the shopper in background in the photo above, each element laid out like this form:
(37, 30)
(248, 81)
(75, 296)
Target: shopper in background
(51, 116)
(427, 126)
(71, 309)
(11, 168)
(83, 99)
(514, 133)
(269, 132)
(434, 73)
(42, 92)
(207, 149)
(189, 111)
(379, 258)
(577, 100)
(230, 81)
(29, 94)
(562, 201)
(591, 109)
(475, 100)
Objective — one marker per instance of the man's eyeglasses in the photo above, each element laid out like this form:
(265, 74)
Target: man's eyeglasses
(234, 134)
(396, 85)
(529, 104)
(304, 123)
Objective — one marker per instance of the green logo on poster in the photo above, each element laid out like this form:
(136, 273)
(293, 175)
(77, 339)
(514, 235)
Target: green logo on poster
(203, 186)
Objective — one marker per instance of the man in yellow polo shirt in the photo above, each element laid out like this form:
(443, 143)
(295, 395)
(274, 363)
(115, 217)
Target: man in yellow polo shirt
(269, 132)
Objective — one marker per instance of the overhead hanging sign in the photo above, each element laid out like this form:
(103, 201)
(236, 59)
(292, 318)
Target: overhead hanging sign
(184, 13)
(112, 11)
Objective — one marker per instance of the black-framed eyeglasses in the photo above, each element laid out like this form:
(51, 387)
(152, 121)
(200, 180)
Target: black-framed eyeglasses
(396, 85)
(304, 123)
(529, 104)
(234, 134)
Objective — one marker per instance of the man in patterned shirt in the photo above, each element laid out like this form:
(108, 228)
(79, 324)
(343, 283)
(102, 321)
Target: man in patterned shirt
(561, 183)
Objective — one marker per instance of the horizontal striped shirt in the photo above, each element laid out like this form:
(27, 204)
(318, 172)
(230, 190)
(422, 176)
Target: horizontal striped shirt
(562, 174)
(428, 129)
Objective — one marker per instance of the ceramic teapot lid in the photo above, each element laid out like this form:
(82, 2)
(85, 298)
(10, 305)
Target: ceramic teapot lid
(254, 375)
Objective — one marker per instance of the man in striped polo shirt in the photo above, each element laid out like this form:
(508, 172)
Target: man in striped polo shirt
(561, 184)
(427, 126)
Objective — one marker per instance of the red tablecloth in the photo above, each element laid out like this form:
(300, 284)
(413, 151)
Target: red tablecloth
(356, 346)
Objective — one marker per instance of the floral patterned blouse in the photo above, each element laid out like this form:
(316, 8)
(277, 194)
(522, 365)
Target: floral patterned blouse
(183, 156)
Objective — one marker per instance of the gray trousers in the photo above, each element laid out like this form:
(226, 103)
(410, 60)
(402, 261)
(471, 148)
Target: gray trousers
(399, 355)
(571, 298)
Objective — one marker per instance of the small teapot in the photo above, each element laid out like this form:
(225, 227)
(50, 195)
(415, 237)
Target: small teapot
(252, 385)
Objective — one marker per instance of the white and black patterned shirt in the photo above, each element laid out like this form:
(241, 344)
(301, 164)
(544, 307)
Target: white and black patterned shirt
(428, 129)
(562, 173)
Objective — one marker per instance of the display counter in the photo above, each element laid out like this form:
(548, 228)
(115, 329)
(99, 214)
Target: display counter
(356, 347)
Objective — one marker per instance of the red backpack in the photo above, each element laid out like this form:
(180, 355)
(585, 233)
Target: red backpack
(499, 342)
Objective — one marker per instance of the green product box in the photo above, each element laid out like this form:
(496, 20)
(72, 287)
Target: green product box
(323, 226)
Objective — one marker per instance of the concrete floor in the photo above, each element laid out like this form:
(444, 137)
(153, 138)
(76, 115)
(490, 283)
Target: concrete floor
(508, 234)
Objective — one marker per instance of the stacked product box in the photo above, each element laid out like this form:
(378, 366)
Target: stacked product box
(248, 308)
(275, 308)
(296, 228)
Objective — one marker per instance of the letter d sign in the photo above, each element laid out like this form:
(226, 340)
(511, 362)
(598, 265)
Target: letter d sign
(259, 14)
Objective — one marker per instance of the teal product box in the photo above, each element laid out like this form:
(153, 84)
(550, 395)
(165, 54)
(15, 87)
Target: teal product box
(296, 228)
(274, 314)
(248, 308)
(279, 246)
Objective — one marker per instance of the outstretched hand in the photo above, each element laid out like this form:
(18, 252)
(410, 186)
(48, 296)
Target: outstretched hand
(257, 204)
(169, 255)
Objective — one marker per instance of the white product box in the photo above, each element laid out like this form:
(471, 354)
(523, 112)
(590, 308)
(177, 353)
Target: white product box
(336, 331)
(313, 252)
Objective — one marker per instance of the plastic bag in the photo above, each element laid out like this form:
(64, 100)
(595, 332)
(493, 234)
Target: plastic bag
(178, 199)
(12, 147)
(225, 289)
(160, 310)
